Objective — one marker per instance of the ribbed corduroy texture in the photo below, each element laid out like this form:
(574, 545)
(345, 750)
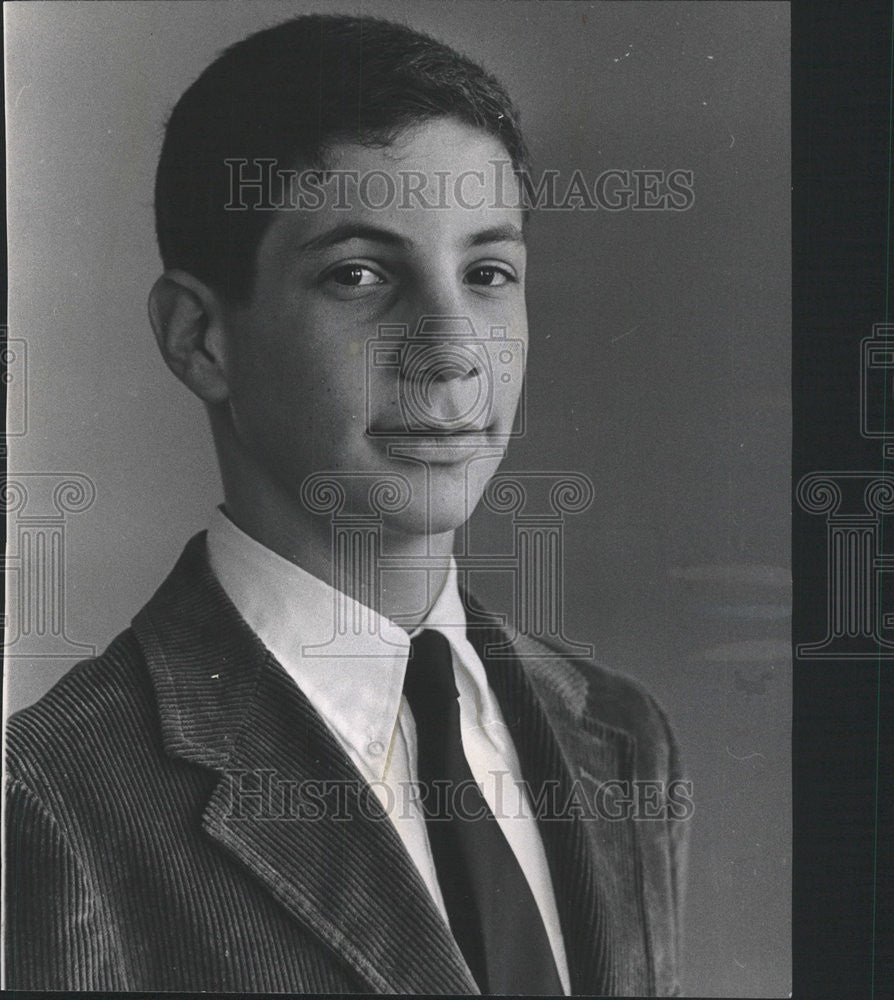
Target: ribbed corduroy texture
(128, 870)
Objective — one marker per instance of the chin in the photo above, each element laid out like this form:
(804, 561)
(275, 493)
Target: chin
(448, 506)
(446, 512)
(438, 521)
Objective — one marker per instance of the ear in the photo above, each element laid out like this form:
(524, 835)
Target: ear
(187, 318)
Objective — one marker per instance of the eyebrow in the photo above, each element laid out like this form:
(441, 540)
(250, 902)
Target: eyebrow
(506, 233)
(343, 232)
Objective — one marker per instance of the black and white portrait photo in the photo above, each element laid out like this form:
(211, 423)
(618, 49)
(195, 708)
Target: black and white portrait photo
(398, 498)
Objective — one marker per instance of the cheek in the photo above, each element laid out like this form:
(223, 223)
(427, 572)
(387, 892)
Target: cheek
(268, 385)
(302, 408)
(265, 384)
(343, 368)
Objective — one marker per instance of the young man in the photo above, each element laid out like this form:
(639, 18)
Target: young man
(312, 764)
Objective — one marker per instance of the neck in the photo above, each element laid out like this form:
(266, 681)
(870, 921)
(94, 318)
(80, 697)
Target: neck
(404, 595)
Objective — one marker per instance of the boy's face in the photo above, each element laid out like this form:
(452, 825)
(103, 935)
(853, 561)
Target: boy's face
(308, 391)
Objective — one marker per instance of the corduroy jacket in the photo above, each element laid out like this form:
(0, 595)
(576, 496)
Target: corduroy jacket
(180, 818)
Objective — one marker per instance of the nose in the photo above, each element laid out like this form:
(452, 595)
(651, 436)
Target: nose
(443, 376)
(442, 349)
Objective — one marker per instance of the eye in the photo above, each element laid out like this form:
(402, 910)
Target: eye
(489, 275)
(355, 276)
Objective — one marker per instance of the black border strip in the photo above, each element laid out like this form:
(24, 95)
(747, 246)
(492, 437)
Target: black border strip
(843, 710)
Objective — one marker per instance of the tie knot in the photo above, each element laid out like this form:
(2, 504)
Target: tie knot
(429, 683)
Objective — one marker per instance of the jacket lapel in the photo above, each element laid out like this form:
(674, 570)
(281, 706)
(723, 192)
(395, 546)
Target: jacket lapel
(565, 756)
(289, 805)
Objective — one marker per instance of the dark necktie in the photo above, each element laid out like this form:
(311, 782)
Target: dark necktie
(493, 915)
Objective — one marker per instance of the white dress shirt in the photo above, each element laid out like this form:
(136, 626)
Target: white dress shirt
(359, 695)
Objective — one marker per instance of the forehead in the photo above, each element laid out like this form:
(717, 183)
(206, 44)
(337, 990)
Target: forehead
(439, 144)
(441, 181)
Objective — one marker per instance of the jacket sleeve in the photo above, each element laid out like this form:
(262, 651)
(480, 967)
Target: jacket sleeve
(56, 936)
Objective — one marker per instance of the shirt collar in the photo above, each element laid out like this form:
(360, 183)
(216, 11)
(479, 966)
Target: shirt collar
(356, 685)
(355, 680)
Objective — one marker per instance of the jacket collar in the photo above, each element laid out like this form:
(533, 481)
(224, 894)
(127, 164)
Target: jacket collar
(226, 704)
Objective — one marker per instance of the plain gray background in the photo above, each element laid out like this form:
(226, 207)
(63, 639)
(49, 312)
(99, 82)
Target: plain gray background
(659, 367)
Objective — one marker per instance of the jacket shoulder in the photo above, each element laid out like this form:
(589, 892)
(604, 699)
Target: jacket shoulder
(590, 693)
(90, 713)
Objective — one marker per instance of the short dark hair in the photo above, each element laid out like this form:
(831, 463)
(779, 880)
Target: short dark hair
(287, 93)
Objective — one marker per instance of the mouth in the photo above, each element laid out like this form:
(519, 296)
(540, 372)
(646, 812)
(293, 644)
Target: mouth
(434, 427)
(438, 447)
